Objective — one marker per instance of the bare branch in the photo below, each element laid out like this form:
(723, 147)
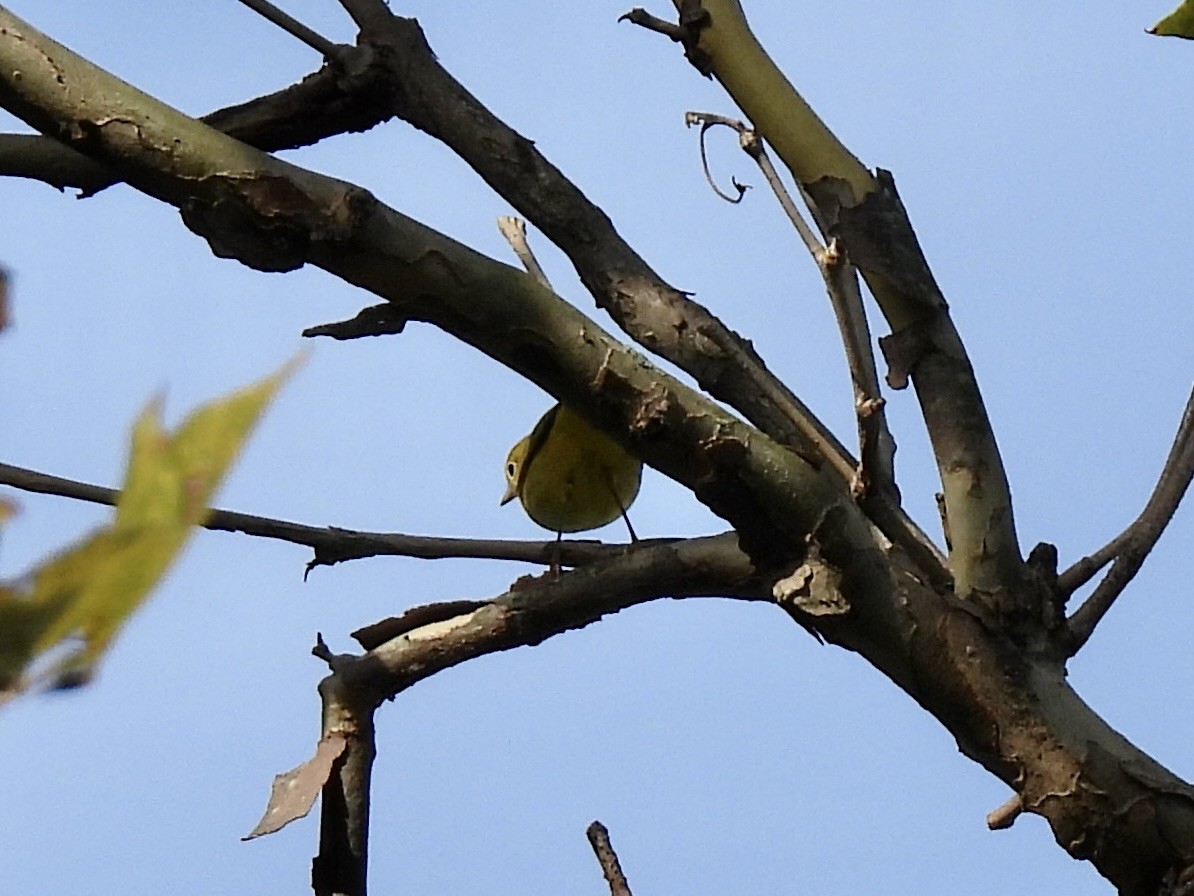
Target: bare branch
(774, 496)
(341, 866)
(515, 232)
(611, 868)
(367, 13)
(327, 103)
(693, 17)
(333, 545)
(295, 28)
(42, 159)
(536, 609)
(876, 472)
(750, 143)
(656, 315)
(707, 121)
(532, 611)
(1130, 548)
(642, 18)
(865, 212)
(873, 479)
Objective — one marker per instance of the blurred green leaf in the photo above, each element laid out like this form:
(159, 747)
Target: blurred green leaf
(64, 614)
(1179, 23)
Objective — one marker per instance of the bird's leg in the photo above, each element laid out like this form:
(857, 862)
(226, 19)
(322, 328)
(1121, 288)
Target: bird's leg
(629, 528)
(622, 510)
(554, 566)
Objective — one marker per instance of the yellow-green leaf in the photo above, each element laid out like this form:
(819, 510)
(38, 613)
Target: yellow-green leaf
(66, 612)
(1179, 23)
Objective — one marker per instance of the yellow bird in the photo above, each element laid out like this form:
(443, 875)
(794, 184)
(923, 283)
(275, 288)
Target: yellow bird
(571, 477)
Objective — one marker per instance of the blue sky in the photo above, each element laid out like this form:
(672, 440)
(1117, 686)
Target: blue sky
(1043, 153)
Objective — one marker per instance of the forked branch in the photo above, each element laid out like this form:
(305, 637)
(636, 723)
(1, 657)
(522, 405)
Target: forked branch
(534, 610)
(872, 479)
(1128, 550)
(864, 212)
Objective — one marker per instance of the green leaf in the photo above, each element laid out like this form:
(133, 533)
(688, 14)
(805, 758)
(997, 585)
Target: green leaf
(1179, 23)
(64, 614)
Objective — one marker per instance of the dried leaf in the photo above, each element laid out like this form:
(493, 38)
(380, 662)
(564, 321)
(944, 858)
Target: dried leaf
(293, 793)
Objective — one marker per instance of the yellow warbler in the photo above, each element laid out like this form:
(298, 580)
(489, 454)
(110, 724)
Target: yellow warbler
(571, 477)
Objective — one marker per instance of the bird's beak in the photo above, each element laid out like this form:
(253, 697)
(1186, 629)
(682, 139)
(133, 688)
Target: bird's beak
(510, 495)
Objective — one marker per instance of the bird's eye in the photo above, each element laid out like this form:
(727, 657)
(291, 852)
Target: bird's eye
(511, 469)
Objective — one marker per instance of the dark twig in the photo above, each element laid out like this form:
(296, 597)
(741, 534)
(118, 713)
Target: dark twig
(1129, 549)
(367, 13)
(598, 835)
(376, 320)
(693, 18)
(5, 315)
(642, 18)
(332, 545)
(706, 122)
(515, 231)
(295, 28)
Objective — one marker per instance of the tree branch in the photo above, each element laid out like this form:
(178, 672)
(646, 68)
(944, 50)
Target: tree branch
(864, 212)
(537, 609)
(611, 868)
(295, 28)
(330, 102)
(873, 479)
(335, 545)
(654, 314)
(273, 216)
(1010, 709)
(1129, 549)
(341, 867)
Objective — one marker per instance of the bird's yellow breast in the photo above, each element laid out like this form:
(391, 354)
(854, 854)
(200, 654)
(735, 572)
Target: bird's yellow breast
(569, 476)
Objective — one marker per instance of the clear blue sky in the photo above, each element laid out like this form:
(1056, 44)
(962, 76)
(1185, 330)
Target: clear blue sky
(1043, 152)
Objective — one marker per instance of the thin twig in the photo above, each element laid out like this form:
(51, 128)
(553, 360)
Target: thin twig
(332, 545)
(707, 121)
(750, 143)
(824, 442)
(295, 28)
(598, 835)
(5, 316)
(642, 18)
(872, 480)
(515, 231)
(876, 472)
(1132, 546)
(877, 447)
